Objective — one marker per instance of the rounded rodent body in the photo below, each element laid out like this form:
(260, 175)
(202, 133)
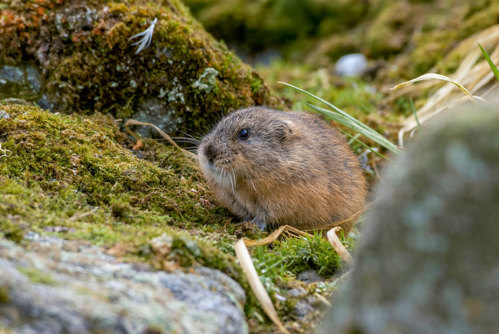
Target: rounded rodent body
(282, 168)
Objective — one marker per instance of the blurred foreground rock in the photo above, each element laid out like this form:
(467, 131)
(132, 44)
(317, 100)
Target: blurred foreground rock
(63, 286)
(429, 258)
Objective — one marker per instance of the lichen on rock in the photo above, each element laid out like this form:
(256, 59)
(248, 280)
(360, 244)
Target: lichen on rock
(61, 286)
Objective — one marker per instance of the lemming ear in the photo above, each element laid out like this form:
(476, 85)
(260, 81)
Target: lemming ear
(286, 130)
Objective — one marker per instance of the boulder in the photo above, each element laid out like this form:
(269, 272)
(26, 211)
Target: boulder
(61, 286)
(428, 258)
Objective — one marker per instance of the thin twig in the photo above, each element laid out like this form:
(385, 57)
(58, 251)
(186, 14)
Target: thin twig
(161, 132)
(78, 216)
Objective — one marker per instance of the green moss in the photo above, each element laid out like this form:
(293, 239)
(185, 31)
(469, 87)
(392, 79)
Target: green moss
(445, 25)
(36, 276)
(279, 264)
(390, 31)
(10, 230)
(292, 256)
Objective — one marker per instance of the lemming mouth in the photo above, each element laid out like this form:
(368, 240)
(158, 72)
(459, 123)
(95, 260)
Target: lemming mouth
(223, 176)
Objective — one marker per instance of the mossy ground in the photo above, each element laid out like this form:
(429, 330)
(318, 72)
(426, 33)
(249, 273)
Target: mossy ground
(77, 177)
(72, 172)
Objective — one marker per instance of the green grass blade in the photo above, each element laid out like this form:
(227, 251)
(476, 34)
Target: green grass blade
(347, 120)
(413, 108)
(366, 146)
(329, 104)
(356, 136)
(491, 64)
(358, 126)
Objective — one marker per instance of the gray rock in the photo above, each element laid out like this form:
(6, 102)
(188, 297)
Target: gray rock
(428, 259)
(45, 103)
(350, 65)
(23, 81)
(60, 286)
(303, 308)
(310, 276)
(33, 79)
(11, 74)
(158, 112)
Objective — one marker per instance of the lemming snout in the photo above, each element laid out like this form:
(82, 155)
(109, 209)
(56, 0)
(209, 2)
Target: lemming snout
(210, 152)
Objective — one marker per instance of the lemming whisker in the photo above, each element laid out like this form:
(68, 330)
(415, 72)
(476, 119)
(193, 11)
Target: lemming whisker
(186, 140)
(190, 136)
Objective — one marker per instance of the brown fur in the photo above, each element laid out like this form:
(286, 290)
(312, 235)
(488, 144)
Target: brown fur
(293, 169)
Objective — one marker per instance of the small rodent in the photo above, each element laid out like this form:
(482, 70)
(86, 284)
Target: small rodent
(282, 168)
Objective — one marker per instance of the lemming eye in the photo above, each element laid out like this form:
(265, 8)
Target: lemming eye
(243, 134)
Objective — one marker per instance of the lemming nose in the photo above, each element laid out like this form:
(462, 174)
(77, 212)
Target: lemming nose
(210, 152)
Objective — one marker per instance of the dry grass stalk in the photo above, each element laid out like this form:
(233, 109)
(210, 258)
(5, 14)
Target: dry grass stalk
(256, 285)
(345, 224)
(323, 299)
(81, 215)
(247, 264)
(433, 76)
(473, 73)
(290, 230)
(333, 239)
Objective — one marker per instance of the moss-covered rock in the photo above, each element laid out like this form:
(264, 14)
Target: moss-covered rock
(391, 28)
(76, 56)
(413, 35)
(416, 35)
